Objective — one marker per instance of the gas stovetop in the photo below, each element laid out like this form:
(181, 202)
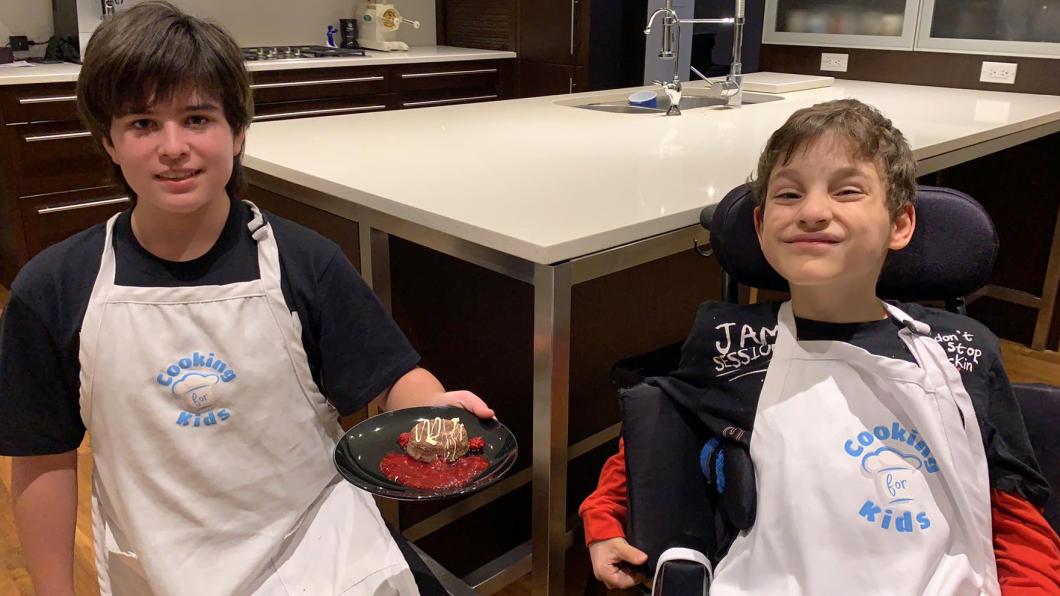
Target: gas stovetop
(292, 52)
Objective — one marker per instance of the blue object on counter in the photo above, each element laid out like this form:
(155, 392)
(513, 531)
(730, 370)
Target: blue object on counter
(331, 36)
(643, 99)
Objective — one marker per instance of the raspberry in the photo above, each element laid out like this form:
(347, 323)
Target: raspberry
(403, 440)
(476, 444)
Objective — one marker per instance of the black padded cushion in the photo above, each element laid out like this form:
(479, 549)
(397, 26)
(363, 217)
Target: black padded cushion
(951, 254)
(1040, 405)
(666, 492)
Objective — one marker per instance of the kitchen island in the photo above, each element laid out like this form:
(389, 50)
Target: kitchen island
(525, 245)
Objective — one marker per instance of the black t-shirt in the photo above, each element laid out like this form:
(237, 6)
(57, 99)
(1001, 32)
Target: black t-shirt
(724, 361)
(354, 348)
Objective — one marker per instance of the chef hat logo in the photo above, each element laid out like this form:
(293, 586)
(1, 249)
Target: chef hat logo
(887, 458)
(195, 388)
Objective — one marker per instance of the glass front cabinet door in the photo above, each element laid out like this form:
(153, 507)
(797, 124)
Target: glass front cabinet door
(1002, 27)
(888, 24)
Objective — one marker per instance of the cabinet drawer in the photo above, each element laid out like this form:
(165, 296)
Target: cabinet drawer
(295, 85)
(445, 97)
(56, 158)
(308, 109)
(24, 104)
(422, 77)
(53, 218)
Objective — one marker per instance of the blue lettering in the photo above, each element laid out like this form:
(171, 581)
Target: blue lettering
(881, 432)
(209, 361)
(198, 420)
(228, 375)
(852, 449)
(904, 522)
(164, 381)
(869, 511)
(865, 438)
(220, 366)
(173, 370)
(223, 415)
(185, 362)
(931, 465)
(923, 520)
(886, 519)
(923, 448)
(210, 419)
(184, 418)
(897, 432)
(894, 486)
(912, 438)
(197, 361)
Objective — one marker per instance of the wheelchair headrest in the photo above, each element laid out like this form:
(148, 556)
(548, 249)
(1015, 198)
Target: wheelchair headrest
(951, 253)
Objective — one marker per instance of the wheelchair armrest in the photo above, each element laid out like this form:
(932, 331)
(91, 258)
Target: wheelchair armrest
(682, 571)
(662, 474)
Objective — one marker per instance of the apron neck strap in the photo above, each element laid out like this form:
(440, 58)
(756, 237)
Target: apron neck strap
(268, 254)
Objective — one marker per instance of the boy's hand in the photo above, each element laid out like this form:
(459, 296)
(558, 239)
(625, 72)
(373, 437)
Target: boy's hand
(467, 400)
(612, 560)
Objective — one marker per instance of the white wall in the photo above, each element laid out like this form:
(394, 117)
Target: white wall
(251, 22)
(32, 18)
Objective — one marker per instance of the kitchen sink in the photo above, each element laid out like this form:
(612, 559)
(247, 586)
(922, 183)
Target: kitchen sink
(689, 101)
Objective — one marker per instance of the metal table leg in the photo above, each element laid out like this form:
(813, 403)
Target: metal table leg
(552, 306)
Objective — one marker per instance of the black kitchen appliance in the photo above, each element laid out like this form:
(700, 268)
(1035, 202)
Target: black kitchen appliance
(348, 30)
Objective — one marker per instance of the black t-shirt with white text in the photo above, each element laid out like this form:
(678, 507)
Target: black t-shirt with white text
(725, 358)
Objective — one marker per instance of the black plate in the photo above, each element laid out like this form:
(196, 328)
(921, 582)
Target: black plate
(358, 454)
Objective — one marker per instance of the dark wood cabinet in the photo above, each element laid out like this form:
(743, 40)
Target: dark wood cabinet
(54, 181)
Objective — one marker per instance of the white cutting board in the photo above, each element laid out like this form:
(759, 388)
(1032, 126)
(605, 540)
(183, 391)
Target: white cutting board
(780, 82)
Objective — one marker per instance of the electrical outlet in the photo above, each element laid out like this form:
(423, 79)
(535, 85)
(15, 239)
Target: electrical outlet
(19, 43)
(998, 72)
(834, 62)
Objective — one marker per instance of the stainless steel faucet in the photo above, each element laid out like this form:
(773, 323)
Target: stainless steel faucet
(732, 87)
(109, 6)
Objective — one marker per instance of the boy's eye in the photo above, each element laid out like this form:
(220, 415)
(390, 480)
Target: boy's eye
(788, 195)
(850, 193)
(197, 120)
(141, 124)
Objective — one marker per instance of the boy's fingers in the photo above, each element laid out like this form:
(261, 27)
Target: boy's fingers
(630, 553)
(618, 579)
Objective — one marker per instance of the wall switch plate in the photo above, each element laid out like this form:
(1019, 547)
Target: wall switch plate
(998, 72)
(834, 62)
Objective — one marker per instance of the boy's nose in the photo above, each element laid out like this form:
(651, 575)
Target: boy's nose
(816, 209)
(173, 144)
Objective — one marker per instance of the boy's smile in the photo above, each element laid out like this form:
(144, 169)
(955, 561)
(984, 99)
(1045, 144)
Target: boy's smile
(177, 155)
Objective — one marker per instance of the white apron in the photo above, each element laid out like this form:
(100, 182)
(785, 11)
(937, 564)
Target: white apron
(213, 447)
(868, 481)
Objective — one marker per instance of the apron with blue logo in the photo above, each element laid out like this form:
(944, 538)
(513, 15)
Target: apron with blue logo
(213, 446)
(871, 475)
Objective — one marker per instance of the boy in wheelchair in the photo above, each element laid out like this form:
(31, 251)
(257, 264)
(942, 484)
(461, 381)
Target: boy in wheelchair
(888, 451)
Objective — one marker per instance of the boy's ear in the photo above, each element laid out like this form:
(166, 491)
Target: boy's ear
(758, 223)
(902, 227)
(109, 148)
(237, 142)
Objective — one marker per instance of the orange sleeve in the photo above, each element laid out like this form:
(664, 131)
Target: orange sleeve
(603, 512)
(1026, 547)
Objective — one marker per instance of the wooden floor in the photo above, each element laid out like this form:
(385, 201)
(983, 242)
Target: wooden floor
(1022, 364)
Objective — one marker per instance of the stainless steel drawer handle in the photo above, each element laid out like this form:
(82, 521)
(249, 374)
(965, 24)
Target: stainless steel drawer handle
(319, 112)
(450, 73)
(438, 102)
(55, 99)
(58, 136)
(75, 206)
(320, 82)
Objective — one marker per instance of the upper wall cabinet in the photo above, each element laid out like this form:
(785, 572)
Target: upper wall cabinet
(1003, 27)
(847, 23)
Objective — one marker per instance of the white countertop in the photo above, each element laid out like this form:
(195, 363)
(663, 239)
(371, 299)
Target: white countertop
(67, 73)
(547, 182)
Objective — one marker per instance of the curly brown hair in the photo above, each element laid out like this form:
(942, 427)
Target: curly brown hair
(869, 135)
(152, 52)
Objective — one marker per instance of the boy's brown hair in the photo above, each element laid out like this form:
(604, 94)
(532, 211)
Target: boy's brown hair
(868, 134)
(148, 54)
